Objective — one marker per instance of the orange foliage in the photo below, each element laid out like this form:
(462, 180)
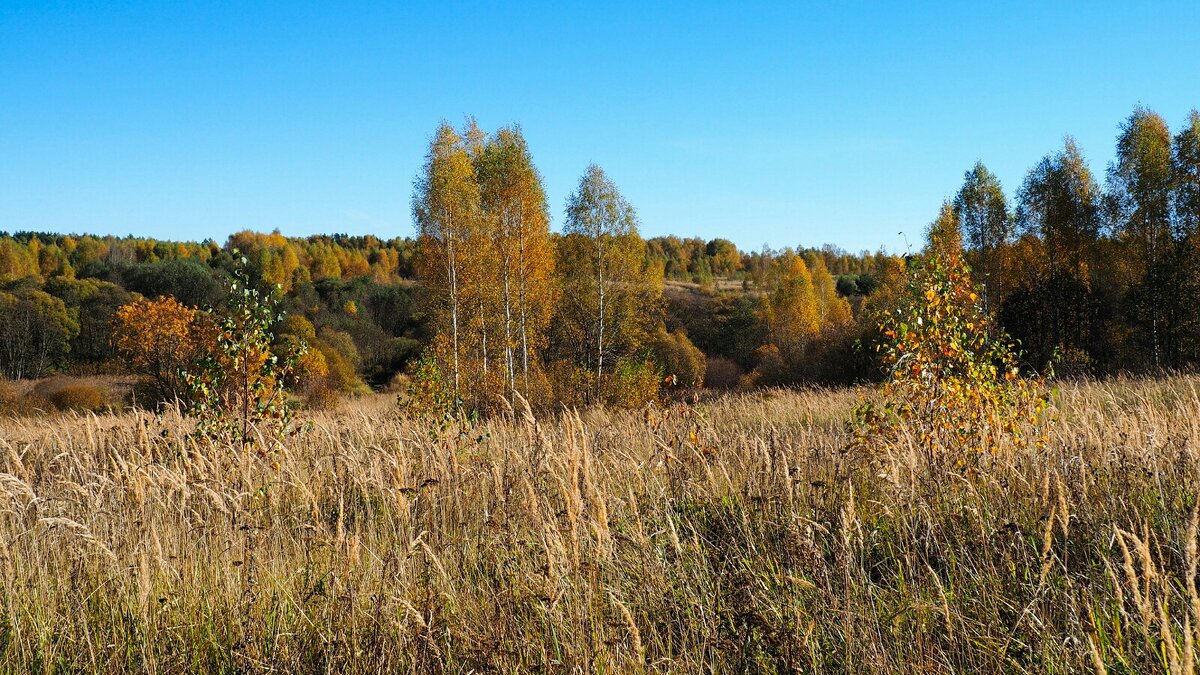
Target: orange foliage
(159, 338)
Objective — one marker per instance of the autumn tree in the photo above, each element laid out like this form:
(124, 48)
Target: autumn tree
(16, 260)
(160, 339)
(517, 222)
(1059, 203)
(953, 387)
(792, 312)
(1185, 203)
(1185, 157)
(445, 203)
(609, 301)
(805, 319)
(1139, 207)
(982, 211)
(944, 236)
(238, 389)
(483, 342)
(273, 259)
(725, 256)
(833, 309)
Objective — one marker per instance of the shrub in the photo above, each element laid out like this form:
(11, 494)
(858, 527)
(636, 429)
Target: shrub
(429, 388)
(954, 381)
(768, 368)
(80, 396)
(321, 398)
(632, 384)
(33, 404)
(722, 373)
(8, 397)
(398, 384)
(678, 358)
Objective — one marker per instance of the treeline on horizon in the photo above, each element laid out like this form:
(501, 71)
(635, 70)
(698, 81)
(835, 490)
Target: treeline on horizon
(60, 293)
(1098, 276)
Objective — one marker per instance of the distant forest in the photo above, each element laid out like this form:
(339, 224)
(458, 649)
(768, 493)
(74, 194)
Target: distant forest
(1098, 275)
(60, 293)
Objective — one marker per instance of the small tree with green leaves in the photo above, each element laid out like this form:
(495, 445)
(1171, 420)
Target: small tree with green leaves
(430, 391)
(239, 389)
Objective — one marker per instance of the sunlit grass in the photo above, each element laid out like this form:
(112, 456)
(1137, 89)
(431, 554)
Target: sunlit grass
(738, 535)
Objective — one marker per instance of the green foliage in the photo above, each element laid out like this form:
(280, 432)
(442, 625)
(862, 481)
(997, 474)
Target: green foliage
(1138, 201)
(611, 298)
(35, 332)
(633, 383)
(1107, 279)
(694, 260)
(94, 303)
(94, 276)
(430, 391)
(239, 390)
(982, 212)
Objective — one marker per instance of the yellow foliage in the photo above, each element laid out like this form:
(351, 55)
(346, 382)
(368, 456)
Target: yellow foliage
(311, 366)
(159, 338)
(632, 384)
(791, 312)
(954, 385)
(678, 358)
(80, 396)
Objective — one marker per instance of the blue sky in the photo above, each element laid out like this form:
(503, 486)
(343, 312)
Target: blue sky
(777, 123)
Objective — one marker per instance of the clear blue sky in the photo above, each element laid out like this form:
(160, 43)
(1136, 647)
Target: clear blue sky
(787, 124)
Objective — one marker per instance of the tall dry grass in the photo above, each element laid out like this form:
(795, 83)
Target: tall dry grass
(735, 536)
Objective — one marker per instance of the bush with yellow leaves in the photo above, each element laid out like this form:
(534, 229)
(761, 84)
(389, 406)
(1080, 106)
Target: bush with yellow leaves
(955, 383)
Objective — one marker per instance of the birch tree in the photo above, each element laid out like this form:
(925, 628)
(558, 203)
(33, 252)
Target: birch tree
(1185, 210)
(1139, 205)
(982, 211)
(518, 223)
(609, 301)
(792, 311)
(1059, 203)
(445, 202)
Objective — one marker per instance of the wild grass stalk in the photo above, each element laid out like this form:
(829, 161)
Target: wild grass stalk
(737, 535)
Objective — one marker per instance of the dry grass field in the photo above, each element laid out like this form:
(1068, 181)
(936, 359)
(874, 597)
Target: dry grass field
(736, 535)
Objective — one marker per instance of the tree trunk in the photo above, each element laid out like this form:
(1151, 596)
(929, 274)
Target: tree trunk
(600, 329)
(508, 339)
(452, 274)
(521, 297)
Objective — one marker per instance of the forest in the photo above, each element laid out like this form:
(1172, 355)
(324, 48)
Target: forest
(486, 303)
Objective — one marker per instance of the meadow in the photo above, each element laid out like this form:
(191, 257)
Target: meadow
(740, 534)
